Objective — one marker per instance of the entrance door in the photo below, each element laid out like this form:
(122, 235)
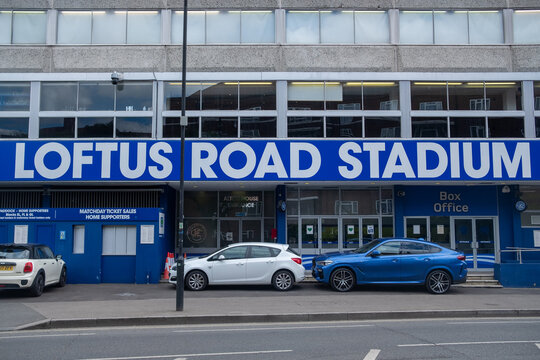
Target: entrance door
(475, 237)
(319, 233)
(416, 228)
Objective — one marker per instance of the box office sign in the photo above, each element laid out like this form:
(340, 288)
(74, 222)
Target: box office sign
(276, 160)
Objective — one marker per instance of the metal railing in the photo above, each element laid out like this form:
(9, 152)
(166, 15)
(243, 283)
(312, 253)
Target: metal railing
(519, 252)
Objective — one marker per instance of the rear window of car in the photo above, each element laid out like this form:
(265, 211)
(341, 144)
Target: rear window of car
(10, 252)
(263, 251)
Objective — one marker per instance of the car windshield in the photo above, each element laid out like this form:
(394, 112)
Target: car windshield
(365, 248)
(10, 252)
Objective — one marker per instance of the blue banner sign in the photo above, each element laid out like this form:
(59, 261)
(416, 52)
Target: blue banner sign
(275, 160)
(87, 214)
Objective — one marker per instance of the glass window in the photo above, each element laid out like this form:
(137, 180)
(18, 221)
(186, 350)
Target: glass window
(216, 127)
(258, 127)
(119, 240)
(387, 226)
(195, 27)
(134, 127)
(292, 202)
(344, 126)
(96, 96)
(503, 95)
(466, 127)
(451, 27)
(305, 95)
(201, 203)
(29, 27)
(428, 96)
(505, 127)
(337, 27)
(416, 27)
(466, 96)
(371, 27)
(222, 27)
(319, 202)
(258, 27)
(486, 27)
(390, 248)
(109, 27)
(134, 96)
(173, 96)
(240, 203)
(359, 202)
(343, 96)
(15, 96)
(257, 96)
(74, 27)
(429, 127)
(537, 121)
(171, 127)
(95, 127)
(78, 239)
(200, 233)
(13, 128)
(237, 252)
(381, 95)
(57, 127)
(305, 126)
(440, 230)
(5, 27)
(386, 206)
(143, 27)
(220, 96)
(526, 26)
(302, 27)
(292, 232)
(382, 127)
(59, 96)
(263, 252)
(537, 95)
(269, 204)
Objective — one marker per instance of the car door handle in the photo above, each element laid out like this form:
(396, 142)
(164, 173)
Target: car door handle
(395, 260)
(240, 264)
(427, 259)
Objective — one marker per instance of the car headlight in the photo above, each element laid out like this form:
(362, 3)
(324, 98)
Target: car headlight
(324, 262)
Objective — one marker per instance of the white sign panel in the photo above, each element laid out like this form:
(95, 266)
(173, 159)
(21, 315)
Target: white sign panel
(147, 234)
(350, 229)
(309, 229)
(416, 229)
(161, 223)
(440, 229)
(21, 234)
(371, 229)
(536, 238)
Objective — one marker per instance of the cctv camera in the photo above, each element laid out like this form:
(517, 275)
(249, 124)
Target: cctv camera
(116, 77)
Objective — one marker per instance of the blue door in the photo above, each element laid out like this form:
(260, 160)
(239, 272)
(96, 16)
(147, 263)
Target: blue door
(3, 234)
(384, 267)
(45, 236)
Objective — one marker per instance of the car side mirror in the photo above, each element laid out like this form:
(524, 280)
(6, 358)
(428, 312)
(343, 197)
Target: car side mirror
(221, 257)
(58, 257)
(375, 253)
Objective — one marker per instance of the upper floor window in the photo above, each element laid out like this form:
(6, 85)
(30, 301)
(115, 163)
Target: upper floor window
(23, 27)
(224, 27)
(109, 27)
(15, 96)
(337, 27)
(537, 95)
(451, 27)
(527, 26)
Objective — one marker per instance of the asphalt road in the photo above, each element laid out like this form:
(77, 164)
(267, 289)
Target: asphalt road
(371, 340)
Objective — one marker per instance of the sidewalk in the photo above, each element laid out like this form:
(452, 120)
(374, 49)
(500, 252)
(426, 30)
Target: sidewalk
(129, 304)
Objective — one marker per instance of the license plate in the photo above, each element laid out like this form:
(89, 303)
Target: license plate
(6, 267)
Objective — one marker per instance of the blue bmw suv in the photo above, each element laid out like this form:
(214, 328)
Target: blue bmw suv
(393, 261)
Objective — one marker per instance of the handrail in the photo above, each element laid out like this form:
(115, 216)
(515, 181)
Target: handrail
(519, 252)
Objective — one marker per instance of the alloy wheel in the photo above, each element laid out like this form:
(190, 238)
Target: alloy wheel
(438, 282)
(196, 281)
(283, 281)
(342, 280)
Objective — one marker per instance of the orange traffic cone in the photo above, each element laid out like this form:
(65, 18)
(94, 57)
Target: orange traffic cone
(166, 272)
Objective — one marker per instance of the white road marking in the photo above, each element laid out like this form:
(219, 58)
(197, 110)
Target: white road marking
(43, 335)
(177, 356)
(272, 328)
(473, 343)
(372, 354)
(493, 322)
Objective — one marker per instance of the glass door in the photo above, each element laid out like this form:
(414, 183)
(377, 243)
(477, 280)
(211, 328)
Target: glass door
(329, 233)
(351, 233)
(309, 233)
(475, 237)
(370, 229)
(416, 228)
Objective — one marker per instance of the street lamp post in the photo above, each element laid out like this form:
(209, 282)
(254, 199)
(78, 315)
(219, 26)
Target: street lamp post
(183, 124)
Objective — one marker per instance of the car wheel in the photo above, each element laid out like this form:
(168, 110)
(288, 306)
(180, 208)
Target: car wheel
(62, 280)
(37, 286)
(438, 282)
(196, 280)
(342, 279)
(283, 280)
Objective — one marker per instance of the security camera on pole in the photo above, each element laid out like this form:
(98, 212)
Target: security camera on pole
(183, 124)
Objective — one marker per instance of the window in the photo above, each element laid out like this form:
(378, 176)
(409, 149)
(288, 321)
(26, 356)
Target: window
(537, 95)
(527, 26)
(134, 96)
(416, 27)
(429, 96)
(380, 95)
(95, 127)
(257, 96)
(74, 27)
(14, 128)
(305, 126)
(119, 240)
(258, 27)
(220, 96)
(503, 95)
(222, 27)
(5, 27)
(468, 127)
(237, 252)
(390, 248)
(172, 129)
(29, 27)
(486, 27)
(345, 96)
(60, 96)
(537, 122)
(173, 96)
(251, 127)
(450, 27)
(96, 96)
(371, 27)
(302, 27)
(263, 251)
(382, 127)
(466, 96)
(78, 239)
(57, 127)
(14, 96)
(195, 27)
(305, 95)
(109, 27)
(505, 127)
(134, 127)
(344, 126)
(143, 27)
(337, 27)
(217, 127)
(431, 127)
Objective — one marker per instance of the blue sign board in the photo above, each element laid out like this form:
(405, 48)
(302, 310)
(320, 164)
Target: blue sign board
(271, 160)
(90, 214)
